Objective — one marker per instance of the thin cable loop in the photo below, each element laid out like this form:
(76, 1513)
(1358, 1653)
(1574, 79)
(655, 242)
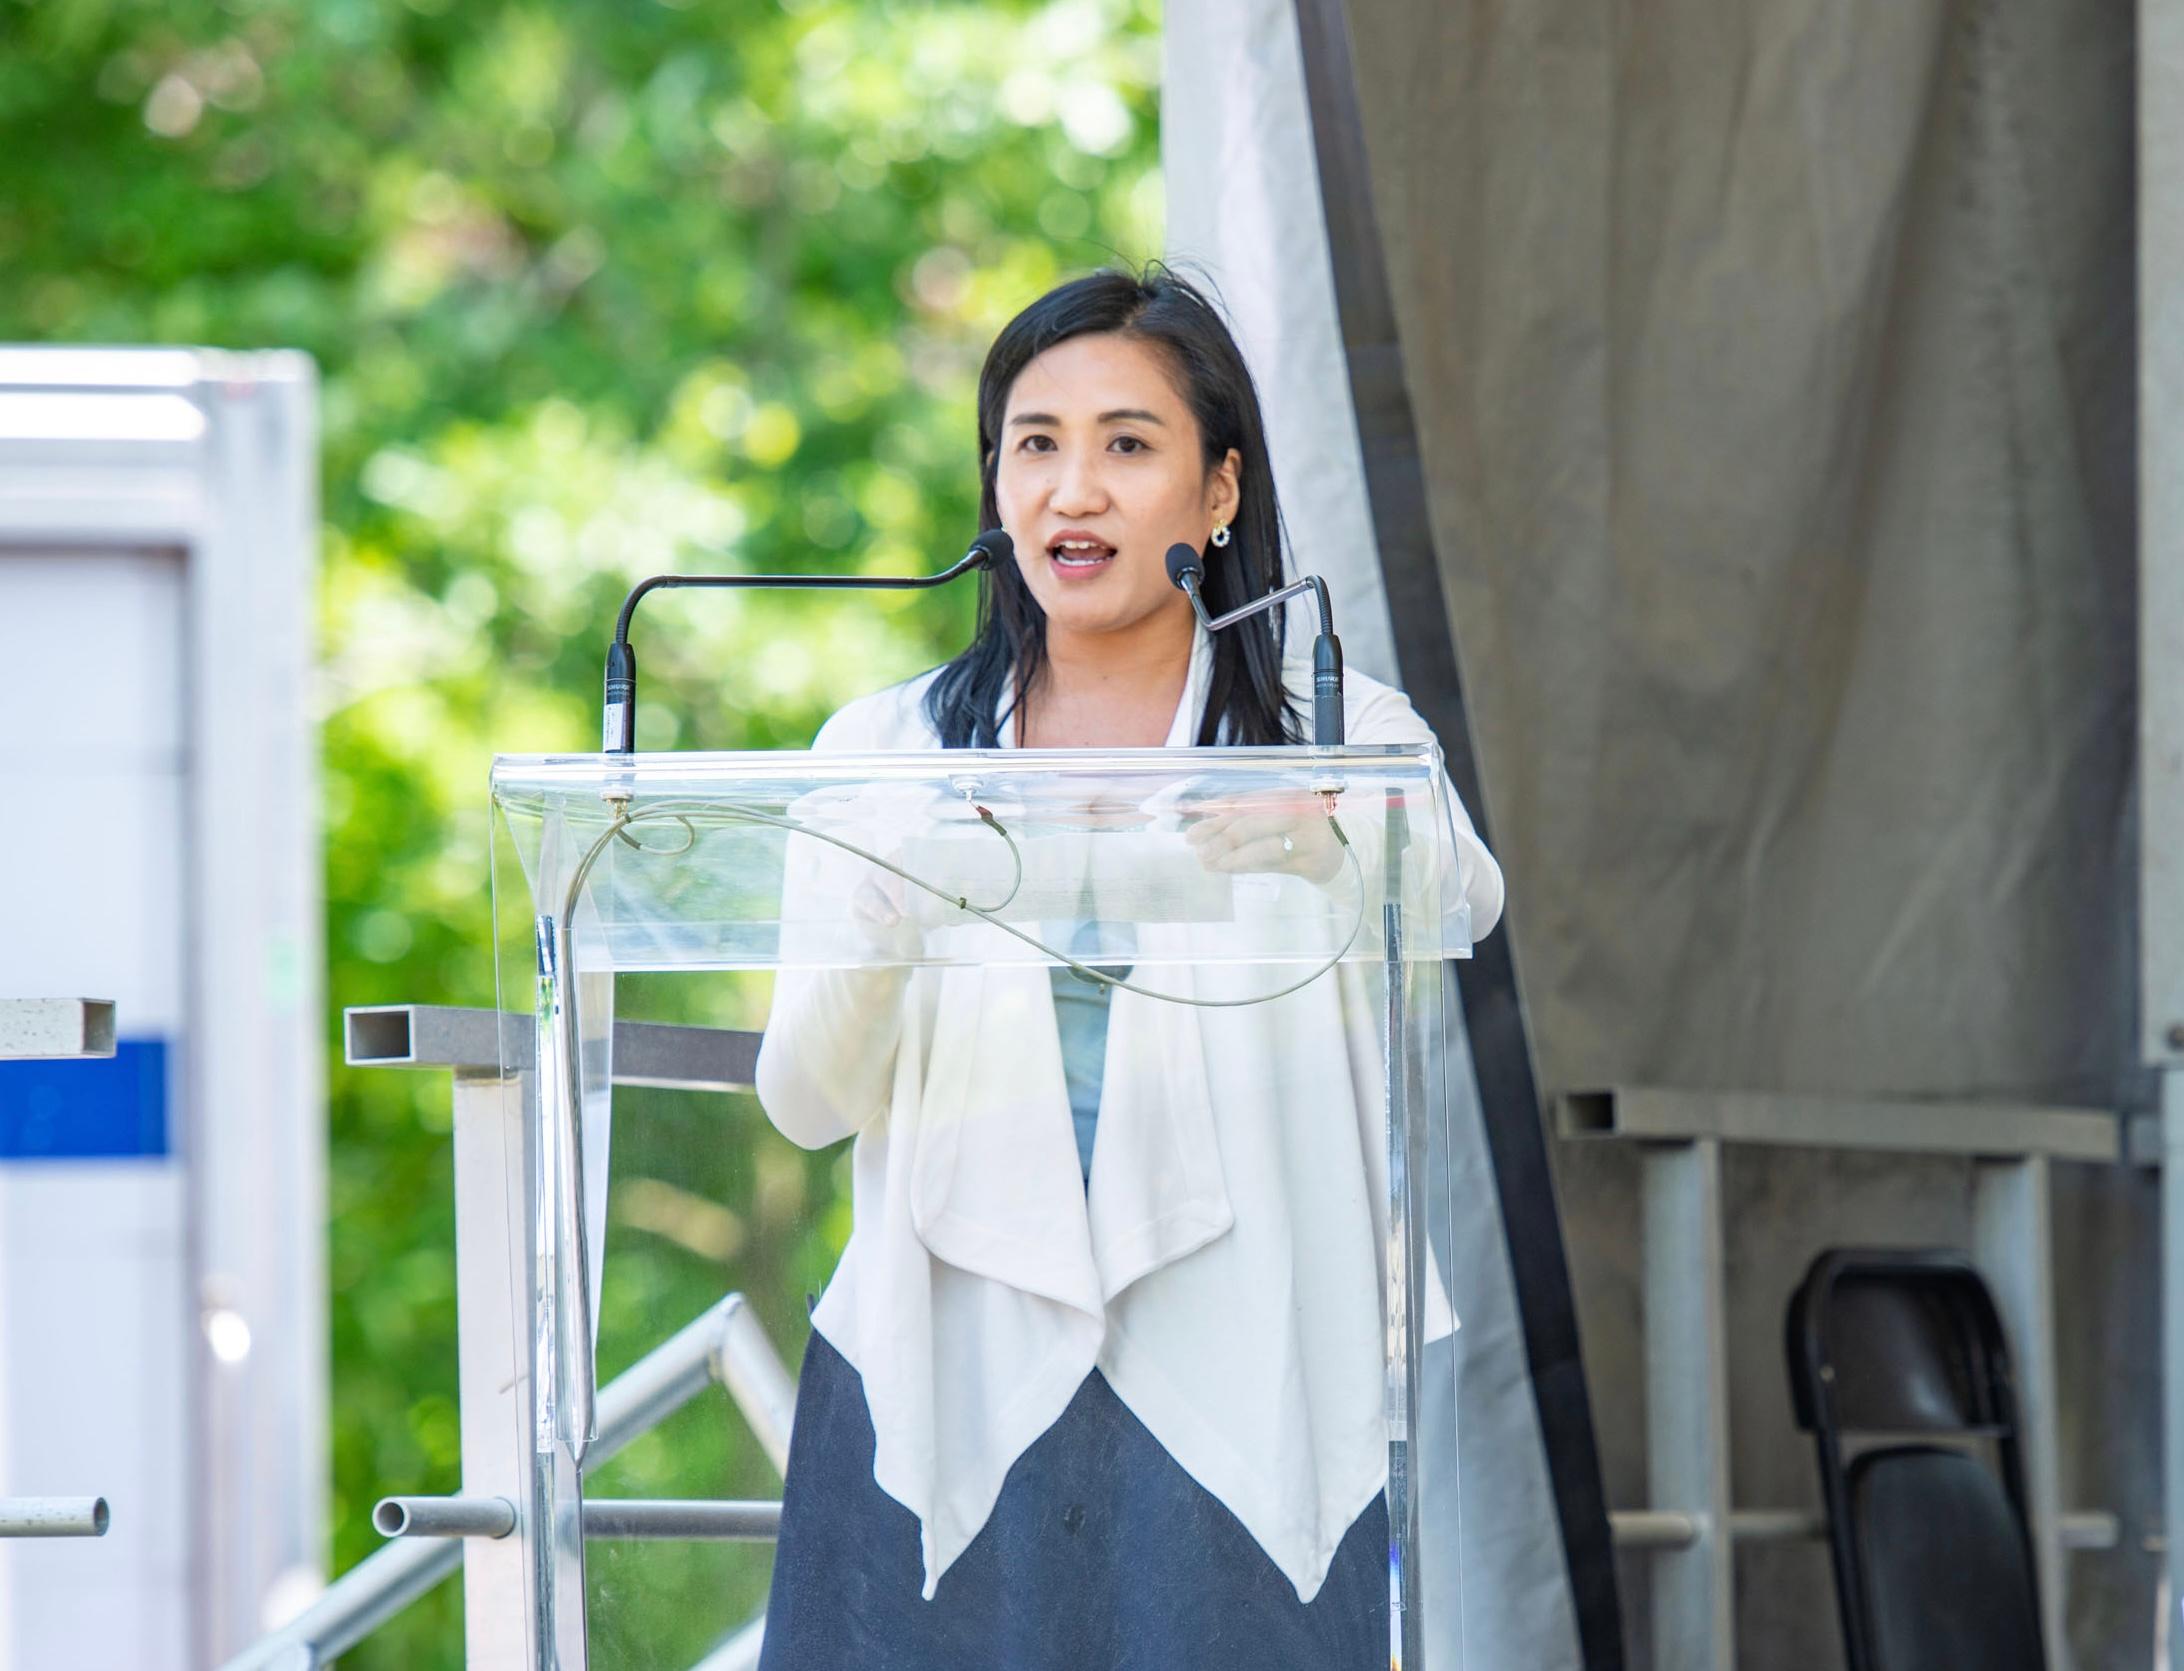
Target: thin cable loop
(693, 814)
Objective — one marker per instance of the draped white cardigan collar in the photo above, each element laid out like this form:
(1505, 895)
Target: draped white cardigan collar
(1223, 1268)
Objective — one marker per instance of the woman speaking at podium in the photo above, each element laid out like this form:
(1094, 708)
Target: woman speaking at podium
(1107, 1394)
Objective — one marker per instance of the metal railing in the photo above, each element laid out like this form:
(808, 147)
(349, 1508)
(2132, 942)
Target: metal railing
(725, 1344)
(1692, 1529)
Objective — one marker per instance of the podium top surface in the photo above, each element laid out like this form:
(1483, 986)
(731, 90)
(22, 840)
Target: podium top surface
(520, 774)
(1283, 857)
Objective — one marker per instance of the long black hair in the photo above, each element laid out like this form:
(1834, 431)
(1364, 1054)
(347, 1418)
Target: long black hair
(1245, 701)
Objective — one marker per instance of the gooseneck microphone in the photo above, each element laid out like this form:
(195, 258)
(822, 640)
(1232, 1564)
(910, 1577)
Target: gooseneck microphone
(618, 715)
(1187, 571)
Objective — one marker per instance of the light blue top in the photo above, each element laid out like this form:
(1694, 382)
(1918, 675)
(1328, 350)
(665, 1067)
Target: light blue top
(1080, 1017)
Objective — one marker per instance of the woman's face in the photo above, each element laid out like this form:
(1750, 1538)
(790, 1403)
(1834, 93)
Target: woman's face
(1101, 470)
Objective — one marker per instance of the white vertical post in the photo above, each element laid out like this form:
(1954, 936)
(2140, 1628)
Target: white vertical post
(493, 1325)
(2160, 181)
(2160, 187)
(1687, 1404)
(2013, 1244)
(2172, 1341)
(256, 1143)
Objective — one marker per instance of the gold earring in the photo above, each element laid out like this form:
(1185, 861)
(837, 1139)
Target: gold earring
(1221, 535)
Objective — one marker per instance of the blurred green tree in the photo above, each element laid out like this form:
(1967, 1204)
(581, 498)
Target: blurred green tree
(596, 288)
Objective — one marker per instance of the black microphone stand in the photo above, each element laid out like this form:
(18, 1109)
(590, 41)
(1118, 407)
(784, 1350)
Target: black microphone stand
(618, 715)
(1187, 570)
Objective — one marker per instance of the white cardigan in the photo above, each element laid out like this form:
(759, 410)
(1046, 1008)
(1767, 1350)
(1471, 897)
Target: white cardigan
(1223, 1270)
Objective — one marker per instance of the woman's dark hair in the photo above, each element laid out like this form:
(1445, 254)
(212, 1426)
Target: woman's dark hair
(1245, 701)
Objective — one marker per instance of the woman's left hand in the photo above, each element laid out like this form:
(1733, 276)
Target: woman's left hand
(1287, 836)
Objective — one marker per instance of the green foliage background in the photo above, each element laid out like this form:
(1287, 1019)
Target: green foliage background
(596, 288)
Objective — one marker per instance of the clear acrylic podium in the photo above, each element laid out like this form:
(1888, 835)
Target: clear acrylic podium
(693, 888)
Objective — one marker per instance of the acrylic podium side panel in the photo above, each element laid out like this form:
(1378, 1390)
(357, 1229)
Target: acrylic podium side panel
(959, 888)
(704, 1201)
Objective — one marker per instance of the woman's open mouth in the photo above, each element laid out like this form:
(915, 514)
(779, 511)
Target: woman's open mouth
(1079, 556)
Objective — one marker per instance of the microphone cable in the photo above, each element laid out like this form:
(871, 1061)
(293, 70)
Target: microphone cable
(691, 815)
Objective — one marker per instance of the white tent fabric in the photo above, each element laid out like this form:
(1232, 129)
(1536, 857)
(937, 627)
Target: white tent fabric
(1772, 364)
(1244, 213)
(1244, 210)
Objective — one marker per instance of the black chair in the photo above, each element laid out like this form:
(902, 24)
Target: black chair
(1933, 1562)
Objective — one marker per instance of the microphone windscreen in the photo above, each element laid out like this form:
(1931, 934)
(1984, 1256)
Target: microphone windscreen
(1183, 560)
(997, 546)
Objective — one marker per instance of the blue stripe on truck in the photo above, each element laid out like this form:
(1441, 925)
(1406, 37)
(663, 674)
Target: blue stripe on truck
(93, 1110)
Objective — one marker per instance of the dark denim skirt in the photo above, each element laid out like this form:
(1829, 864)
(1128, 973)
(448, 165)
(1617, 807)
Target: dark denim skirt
(1101, 1555)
